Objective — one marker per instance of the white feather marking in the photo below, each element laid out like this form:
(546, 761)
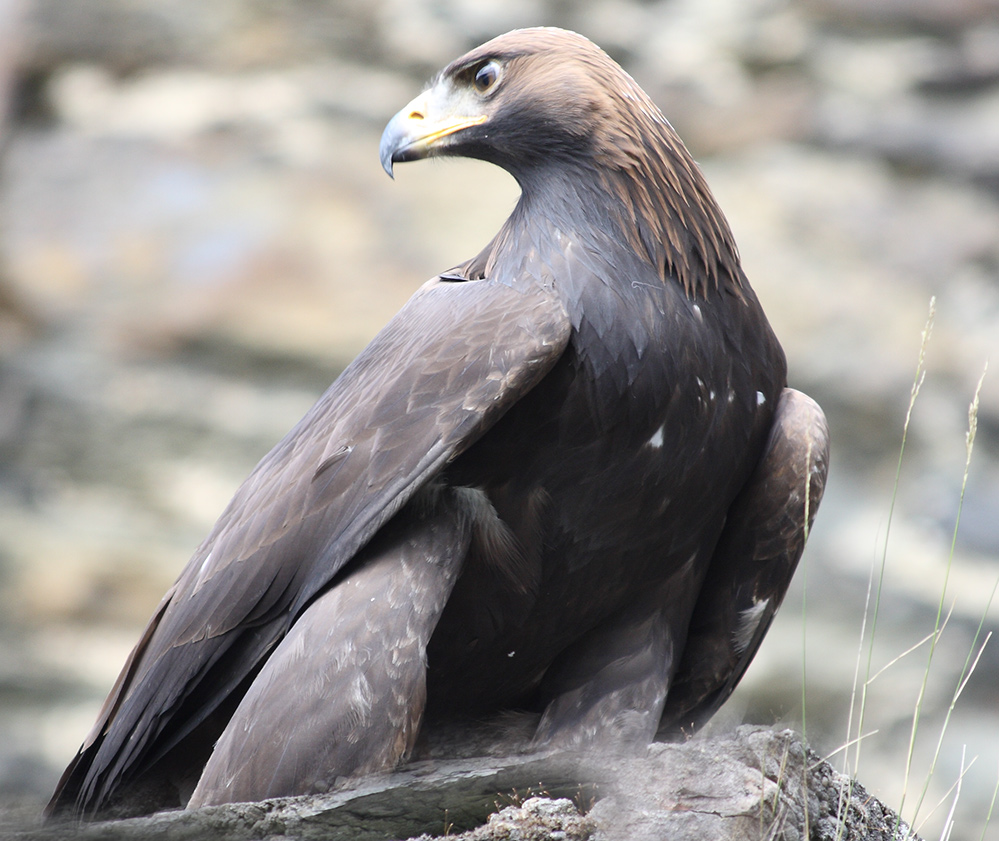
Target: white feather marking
(760, 398)
(749, 621)
(203, 575)
(656, 440)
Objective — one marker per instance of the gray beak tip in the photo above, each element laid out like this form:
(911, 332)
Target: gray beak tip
(389, 145)
(386, 159)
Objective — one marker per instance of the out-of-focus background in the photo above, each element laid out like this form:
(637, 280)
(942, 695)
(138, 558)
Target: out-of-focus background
(195, 237)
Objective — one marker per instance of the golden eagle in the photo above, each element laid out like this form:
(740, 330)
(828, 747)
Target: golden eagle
(567, 477)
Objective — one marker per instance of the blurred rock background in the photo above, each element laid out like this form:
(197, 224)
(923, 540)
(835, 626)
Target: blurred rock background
(196, 236)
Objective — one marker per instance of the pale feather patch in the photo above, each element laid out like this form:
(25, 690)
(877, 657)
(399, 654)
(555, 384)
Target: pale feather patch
(657, 438)
(493, 540)
(203, 572)
(749, 621)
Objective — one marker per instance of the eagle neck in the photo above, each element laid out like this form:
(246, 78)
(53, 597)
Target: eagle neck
(648, 194)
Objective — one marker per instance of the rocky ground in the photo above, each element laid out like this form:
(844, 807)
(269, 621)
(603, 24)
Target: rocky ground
(756, 783)
(195, 236)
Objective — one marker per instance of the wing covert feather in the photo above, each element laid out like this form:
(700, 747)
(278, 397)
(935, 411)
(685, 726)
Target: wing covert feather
(439, 374)
(754, 560)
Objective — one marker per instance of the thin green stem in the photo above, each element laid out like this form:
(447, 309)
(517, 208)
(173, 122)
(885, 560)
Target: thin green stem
(949, 821)
(804, 616)
(971, 661)
(916, 385)
(992, 805)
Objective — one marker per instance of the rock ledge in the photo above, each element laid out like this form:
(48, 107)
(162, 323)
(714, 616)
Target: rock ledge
(754, 783)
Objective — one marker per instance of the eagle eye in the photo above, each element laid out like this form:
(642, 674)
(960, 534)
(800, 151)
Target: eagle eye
(486, 76)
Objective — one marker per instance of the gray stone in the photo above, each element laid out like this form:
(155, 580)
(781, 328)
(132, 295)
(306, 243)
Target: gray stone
(756, 783)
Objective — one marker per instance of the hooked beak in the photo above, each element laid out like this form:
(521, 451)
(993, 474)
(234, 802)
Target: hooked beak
(416, 131)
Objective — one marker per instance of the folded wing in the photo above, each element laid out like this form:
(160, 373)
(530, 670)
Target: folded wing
(452, 361)
(752, 566)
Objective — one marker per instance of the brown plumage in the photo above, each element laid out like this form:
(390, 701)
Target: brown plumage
(567, 477)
